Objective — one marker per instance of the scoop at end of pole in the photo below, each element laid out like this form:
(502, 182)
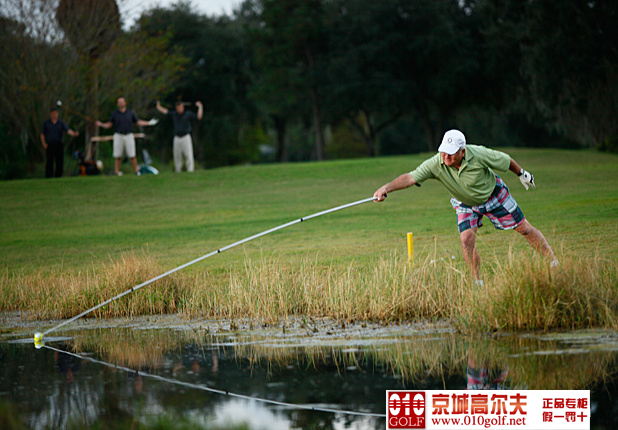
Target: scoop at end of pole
(38, 340)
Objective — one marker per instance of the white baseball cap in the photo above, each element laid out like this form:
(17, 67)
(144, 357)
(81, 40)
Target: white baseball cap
(453, 141)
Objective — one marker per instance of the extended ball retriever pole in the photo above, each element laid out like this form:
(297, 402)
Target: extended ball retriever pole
(38, 337)
(86, 117)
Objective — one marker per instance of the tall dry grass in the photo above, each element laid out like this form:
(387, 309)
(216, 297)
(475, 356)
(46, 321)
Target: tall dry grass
(45, 295)
(384, 289)
(522, 293)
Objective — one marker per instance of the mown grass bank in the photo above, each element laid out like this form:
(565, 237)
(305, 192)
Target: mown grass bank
(71, 243)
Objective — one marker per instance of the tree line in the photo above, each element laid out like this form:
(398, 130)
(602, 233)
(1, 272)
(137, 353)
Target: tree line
(295, 80)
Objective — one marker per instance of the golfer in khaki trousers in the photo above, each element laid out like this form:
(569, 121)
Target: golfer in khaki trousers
(183, 144)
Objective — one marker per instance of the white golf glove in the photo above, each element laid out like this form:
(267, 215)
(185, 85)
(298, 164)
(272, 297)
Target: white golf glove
(526, 178)
(153, 121)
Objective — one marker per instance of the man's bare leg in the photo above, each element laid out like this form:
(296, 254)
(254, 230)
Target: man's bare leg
(536, 239)
(470, 253)
(134, 163)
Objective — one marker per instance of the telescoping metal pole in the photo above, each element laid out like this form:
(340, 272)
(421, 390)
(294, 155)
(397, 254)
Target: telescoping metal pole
(38, 337)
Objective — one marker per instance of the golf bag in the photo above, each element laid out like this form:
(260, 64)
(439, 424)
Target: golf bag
(87, 167)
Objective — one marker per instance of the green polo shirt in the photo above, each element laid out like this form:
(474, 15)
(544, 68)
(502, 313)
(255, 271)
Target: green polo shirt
(474, 181)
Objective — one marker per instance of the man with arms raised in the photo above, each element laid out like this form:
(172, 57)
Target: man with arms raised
(182, 144)
(466, 172)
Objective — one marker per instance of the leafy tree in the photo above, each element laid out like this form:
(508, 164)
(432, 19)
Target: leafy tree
(34, 70)
(365, 87)
(217, 73)
(112, 62)
(366, 63)
(40, 66)
(271, 89)
(562, 57)
(139, 67)
(442, 62)
(289, 43)
(91, 26)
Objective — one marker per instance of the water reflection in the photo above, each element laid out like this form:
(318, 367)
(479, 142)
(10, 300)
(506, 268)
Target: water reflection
(481, 374)
(67, 364)
(224, 379)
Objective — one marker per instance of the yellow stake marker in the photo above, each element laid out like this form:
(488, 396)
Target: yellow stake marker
(410, 249)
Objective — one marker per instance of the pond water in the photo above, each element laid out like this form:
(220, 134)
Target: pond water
(169, 372)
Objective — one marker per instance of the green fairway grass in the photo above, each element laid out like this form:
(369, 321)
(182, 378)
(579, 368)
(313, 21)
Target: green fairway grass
(80, 225)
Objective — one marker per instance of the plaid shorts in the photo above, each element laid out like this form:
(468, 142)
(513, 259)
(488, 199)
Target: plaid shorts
(501, 208)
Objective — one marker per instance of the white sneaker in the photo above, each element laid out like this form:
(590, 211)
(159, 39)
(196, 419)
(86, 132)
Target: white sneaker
(119, 174)
(554, 263)
(138, 173)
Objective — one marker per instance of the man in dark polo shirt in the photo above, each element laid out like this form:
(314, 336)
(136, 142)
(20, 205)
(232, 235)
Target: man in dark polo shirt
(182, 144)
(51, 138)
(124, 141)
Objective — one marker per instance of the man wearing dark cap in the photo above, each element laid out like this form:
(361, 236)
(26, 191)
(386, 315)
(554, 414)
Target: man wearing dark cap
(51, 138)
(467, 172)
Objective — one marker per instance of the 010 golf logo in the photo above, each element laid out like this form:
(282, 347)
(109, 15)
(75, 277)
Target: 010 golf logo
(406, 410)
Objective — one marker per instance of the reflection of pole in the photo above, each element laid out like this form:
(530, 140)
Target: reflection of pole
(410, 250)
(309, 407)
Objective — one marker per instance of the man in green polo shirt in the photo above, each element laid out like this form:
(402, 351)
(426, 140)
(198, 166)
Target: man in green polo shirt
(467, 172)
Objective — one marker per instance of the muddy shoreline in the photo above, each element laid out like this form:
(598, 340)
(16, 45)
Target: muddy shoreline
(14, 324)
